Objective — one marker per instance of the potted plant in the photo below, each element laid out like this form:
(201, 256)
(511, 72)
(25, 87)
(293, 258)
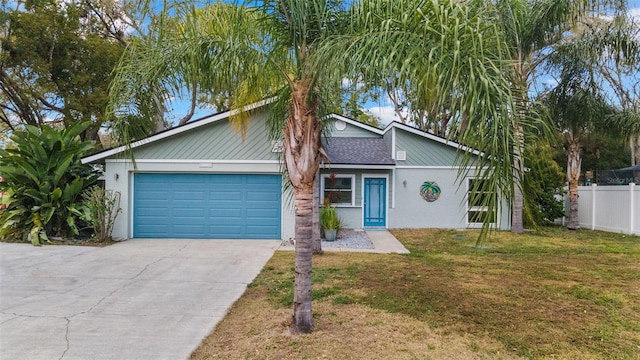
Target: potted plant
(330, 222)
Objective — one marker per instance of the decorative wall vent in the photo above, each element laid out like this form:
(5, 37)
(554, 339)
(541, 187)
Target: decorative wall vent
(277, 146)
(401, 155)
(340, 125)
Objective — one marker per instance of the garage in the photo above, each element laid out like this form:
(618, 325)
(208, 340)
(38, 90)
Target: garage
(207, 206)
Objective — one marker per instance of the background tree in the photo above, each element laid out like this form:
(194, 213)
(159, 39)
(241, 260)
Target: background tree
(576, 111)
(604, 149)
(440, 48)
(531, 30)
(615, 56)
(417, 106)
(595, 73)
(544, 182)
(56, 63)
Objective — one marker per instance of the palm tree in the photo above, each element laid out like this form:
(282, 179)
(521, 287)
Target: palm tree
(237, 55)
(614, 52)
(531, 28)
(576, 111)
(298, 49)
(595, 71)
(439, 48)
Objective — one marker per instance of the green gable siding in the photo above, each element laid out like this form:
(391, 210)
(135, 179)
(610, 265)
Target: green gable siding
(422, 151)
(216, 141)
(349, 131)
(388, 139)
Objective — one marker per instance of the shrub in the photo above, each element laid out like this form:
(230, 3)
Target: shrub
(542, 184)
(329, 218)
(43, 182)
(103, 208)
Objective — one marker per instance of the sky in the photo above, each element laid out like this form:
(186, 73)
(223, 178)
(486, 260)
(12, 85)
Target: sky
(382, 108)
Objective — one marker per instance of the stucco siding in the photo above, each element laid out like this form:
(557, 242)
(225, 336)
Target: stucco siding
(117, 179)
(218, 140)
(423, 152)
(351, 217)
(448, 212)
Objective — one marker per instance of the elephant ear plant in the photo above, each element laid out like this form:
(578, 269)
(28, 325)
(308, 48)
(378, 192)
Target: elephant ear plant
(44, 179)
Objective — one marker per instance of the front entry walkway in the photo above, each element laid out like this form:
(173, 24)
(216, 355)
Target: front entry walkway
(139, 299)
(383, 243)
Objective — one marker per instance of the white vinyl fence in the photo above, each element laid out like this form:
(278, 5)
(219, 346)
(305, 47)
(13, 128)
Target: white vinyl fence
(609, 208)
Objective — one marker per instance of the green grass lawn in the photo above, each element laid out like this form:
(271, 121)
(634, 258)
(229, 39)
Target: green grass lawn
(546, 294)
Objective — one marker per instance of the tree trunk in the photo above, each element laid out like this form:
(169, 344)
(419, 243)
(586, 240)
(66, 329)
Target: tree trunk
(302, 322)
(573, 176)
(634, 143)
(517, 225)
(520, 89)
(317, 242)
(302, 157)
(158, 119)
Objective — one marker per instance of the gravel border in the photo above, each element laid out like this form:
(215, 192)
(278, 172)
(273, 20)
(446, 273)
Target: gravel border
(347, 239)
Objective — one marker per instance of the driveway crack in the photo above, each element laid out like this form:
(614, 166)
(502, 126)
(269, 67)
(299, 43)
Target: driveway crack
(29, 316)
(158, 260)
(70, 317)
(66, 338)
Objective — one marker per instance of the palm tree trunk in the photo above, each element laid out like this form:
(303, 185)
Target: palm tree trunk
(302, 157)
(520, 89)
(302, 322)
(517, 224)
(634, 144)
(574, 162)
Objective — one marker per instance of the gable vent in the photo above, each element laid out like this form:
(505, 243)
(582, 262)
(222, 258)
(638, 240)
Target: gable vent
(277, 146)
(340, 125)
(401, 155)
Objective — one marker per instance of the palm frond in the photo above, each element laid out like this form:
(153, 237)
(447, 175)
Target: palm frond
(441, 48)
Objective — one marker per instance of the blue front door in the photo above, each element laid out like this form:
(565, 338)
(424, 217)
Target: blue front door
(375, 204)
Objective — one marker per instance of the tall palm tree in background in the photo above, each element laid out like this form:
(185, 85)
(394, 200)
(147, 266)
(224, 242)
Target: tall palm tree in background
(531, 30)
(597, 79)
(576, 112)
(440, 48)
(611, 48)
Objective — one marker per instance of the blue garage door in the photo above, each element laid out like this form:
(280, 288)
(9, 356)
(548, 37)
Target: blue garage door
(207, 206)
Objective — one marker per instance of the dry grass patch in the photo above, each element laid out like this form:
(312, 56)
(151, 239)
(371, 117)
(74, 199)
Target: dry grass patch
(551, 294)
(257, 328)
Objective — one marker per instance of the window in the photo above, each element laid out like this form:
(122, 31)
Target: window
(478, 200)
(338, 189)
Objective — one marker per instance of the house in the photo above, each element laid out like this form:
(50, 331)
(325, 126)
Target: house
(203, 180)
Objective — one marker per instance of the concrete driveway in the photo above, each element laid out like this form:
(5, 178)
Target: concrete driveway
(139, 299)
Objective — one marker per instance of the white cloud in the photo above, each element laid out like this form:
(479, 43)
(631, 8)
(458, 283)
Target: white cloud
(386, 114)
(347, 83)
(549, 83)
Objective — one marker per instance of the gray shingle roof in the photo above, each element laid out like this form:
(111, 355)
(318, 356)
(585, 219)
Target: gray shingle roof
(357, 150)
